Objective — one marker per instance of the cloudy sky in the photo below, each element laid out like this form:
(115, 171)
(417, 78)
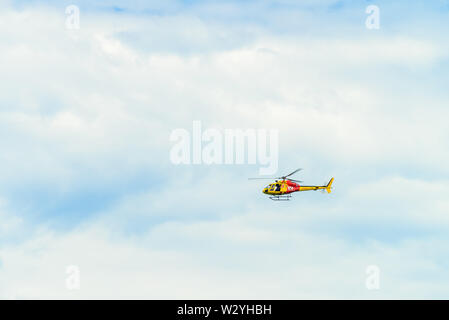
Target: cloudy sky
(86, 178)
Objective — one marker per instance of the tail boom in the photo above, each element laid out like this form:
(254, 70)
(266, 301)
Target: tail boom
(327, 187)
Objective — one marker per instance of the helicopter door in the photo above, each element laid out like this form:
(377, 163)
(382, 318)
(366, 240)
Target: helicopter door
(278, 187)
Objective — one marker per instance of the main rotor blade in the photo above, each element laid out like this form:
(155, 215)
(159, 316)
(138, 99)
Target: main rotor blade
(293, 172)
(283, 177)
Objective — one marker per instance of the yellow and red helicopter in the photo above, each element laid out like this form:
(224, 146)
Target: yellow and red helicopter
(282, 188)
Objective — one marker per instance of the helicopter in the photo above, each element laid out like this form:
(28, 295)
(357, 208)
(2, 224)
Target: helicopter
(282, 188)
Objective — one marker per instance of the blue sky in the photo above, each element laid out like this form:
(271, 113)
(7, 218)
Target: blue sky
(86, 178)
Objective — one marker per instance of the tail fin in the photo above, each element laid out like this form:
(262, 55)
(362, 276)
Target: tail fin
(329, 185)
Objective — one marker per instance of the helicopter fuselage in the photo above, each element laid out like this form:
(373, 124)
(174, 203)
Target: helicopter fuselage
(287, 186)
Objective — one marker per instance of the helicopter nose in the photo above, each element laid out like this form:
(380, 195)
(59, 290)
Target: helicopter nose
(264, 190)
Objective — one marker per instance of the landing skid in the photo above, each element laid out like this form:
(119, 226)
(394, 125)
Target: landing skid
(285, 197)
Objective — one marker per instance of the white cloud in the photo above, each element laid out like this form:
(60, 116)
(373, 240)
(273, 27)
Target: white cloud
(10, 224)
(240, 259)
